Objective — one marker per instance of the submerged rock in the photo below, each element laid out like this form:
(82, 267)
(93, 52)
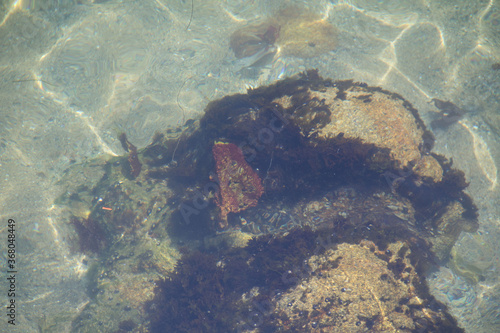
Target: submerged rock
(292, 31)
(345, 190)
(252, 43)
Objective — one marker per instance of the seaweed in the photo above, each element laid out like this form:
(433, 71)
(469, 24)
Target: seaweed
(134, 166)
(448, 115)
(91, 235)
(273, 162)
(203, 293)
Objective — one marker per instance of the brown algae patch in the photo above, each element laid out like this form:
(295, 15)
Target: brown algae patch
(305, 34)
(293, 31)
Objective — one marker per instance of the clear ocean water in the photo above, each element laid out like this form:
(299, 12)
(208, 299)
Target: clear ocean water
(74, 74)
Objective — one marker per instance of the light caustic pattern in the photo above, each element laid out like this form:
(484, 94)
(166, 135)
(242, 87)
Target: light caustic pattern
(427, 52)
(421, 49)
(88, 72)
(100, 68)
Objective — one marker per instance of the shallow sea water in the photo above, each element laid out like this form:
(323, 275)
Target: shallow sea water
(75, 74)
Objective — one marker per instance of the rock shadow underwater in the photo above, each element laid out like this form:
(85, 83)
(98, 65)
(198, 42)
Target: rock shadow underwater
(309, 205)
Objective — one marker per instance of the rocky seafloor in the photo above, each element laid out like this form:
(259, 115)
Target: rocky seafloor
(355, 210)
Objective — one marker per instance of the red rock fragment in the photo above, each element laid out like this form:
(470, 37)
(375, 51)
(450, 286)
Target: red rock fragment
(240, 186)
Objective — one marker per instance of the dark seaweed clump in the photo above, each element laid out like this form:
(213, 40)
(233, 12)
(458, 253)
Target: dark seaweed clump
(91, 236)
(280, 142)
(132, 169)
(204, 292)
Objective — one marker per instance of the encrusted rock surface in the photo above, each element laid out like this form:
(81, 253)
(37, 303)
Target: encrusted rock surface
(357, 288)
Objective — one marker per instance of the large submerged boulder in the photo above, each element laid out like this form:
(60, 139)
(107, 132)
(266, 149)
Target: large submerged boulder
(334, 182)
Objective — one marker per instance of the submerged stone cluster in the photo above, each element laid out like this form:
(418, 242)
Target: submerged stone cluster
(337, 187)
